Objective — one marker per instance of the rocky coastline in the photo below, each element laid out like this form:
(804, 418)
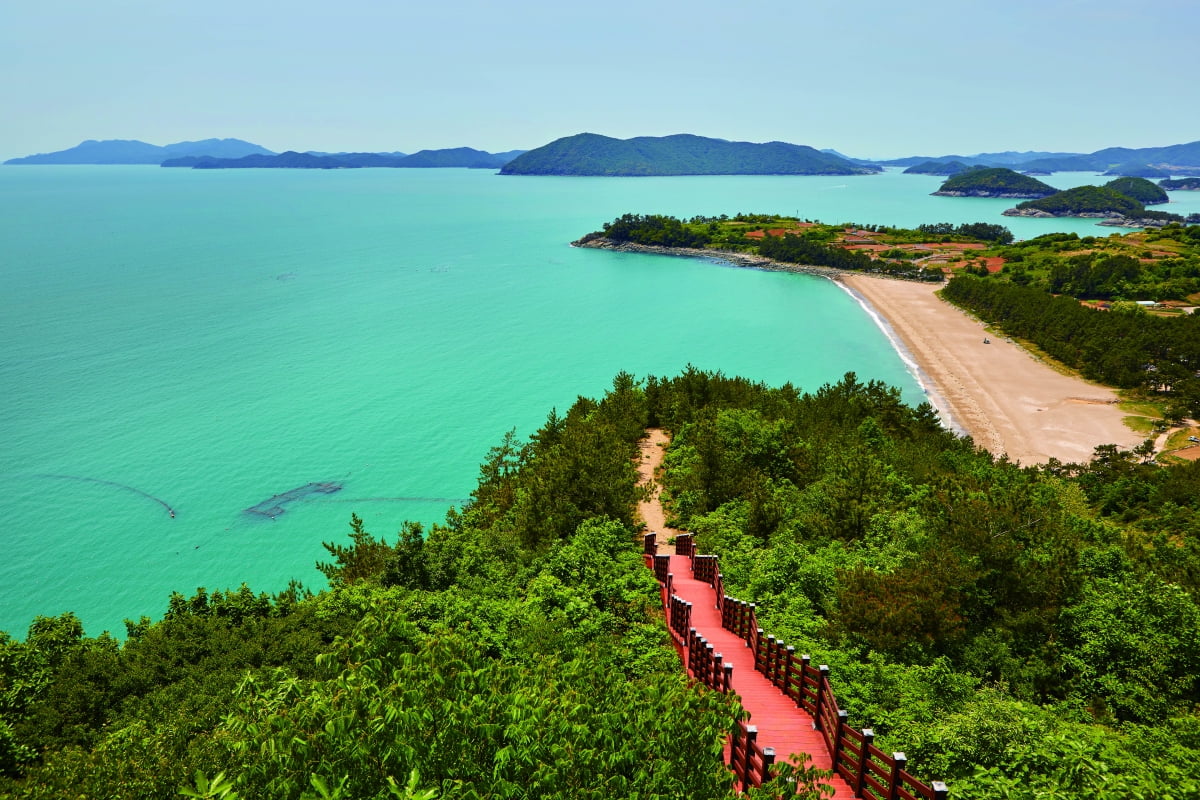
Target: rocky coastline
(988, 193)
(1106, 218)
(726, 256)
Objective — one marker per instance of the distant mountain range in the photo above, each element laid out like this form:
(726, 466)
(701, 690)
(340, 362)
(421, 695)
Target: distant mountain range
(132, 151)
(235, 153)
(682, 154)
(1146, 162)
(593, 154)
(453, 157)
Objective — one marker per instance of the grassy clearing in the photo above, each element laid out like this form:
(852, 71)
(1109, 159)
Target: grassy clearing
(1139, 424)
(1144, 408)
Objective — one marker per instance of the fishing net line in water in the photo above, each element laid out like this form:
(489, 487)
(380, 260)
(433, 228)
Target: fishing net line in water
(270, 508)
(122, 486)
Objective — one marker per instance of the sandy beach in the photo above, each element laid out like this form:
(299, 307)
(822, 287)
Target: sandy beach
(997, 393)
(1004, 398)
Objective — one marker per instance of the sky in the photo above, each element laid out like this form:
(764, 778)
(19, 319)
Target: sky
(870, 79)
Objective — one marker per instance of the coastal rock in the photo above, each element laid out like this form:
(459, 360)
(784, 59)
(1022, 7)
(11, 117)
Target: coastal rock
(1134, 222)
(986, 193)
(1025, 212)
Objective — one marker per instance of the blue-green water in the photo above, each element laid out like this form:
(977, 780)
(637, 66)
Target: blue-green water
(209, 339)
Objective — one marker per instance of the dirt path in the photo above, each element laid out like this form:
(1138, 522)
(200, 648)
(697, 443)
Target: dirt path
(651, 510)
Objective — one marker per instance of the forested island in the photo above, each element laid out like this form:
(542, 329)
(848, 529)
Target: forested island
(1025, 632)
(682, 154)
(1119, 202)
(1181, 184)
(993, 182)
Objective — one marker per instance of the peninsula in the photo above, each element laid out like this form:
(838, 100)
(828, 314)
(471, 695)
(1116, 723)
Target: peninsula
(1009, 401)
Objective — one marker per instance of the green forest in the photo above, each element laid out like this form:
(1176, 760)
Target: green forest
(1083, 200)
(1019, 632)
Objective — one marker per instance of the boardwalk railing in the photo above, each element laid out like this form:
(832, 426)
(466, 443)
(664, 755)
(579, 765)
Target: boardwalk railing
(872, 773)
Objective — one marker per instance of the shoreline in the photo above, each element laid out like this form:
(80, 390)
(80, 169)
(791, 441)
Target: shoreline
(1009, 402)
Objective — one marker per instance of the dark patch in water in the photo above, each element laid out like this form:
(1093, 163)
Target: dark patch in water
(274, 506)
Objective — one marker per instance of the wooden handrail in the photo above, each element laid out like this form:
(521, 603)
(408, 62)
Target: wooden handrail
(750, 761)
(870, 771)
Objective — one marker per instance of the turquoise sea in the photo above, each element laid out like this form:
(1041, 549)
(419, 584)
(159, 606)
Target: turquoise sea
(200, 341)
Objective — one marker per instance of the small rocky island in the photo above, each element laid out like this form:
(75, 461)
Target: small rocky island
(994, 182)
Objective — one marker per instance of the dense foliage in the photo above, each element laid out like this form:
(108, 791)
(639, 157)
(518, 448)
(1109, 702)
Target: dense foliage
(655, 229)
(515, 652)
(1086, 200)
(793, 241)
(681, 154)
(982, 231)
(1180, 184)
(1023, 633)
(993, 181)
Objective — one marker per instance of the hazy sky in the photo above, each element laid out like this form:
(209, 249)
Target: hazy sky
(869, 78)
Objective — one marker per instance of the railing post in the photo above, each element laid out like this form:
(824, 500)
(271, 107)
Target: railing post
(898, 762)
(718, 671)
(768, 759)
(863, 758)
(822, 683)
(751, 737)
(728, 678)
(778, 666)
(787, 671)
(708, 665)
(837, 739)
(766, 665)
(939, 790)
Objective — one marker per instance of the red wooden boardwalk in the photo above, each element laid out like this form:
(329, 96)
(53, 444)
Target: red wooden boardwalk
(781, 723)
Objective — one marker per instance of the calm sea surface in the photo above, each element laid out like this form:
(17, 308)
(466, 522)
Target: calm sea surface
(200, 341)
